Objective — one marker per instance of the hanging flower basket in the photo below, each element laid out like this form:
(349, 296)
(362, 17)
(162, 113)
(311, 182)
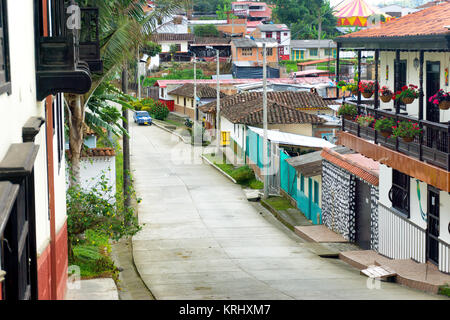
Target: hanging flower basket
(367, 95)
(444, 105)
(407, 100)
(408, 94)
(348, 111)
(441, 99)
(386, 99)
(407, 130)
(367, 88)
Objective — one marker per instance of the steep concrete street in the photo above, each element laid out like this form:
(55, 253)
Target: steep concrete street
(202, 239)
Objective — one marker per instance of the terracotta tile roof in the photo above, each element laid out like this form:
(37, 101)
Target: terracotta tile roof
(95, 152)
(203, 91)
(248, 109)
(172, 37)
(300, 100)
(427, 22)
(211, 40)
(365, 168)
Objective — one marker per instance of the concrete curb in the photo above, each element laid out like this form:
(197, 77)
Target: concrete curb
(220, 170)
(277, 215)
(172, 132)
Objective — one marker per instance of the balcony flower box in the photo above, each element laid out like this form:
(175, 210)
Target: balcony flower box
(408, 94)
(365, 121)
(441, 99)
(348, 111)
(367, 88)
(407, 130)
(384, 126)
(386, 94)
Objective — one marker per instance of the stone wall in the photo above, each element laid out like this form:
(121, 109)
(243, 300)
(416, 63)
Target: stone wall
(338, 203)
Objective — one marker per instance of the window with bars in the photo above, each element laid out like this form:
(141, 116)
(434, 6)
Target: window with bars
(313, 52)
(399, 193)
(268, 34)
(5, 81)
(247, 51)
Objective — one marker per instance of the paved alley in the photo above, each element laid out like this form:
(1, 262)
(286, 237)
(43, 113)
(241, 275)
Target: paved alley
(202, 239)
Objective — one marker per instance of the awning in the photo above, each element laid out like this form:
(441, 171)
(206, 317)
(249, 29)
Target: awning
(309, 164)
(293, 139)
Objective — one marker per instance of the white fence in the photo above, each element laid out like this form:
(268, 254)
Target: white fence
(444, 257)
(400, 238)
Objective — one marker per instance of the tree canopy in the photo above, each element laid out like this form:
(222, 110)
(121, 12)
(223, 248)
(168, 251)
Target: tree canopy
(305, 17)
(208, 30)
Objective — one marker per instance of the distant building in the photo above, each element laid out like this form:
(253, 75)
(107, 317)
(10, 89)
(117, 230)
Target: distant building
(279, 32)
(247, 56)
(180, 40)
(312, 49)
(252, 10)
(397, 11)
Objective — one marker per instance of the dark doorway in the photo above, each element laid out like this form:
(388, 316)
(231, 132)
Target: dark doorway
(362, 214)
(433, 86)
(433, 225)
(402, 79)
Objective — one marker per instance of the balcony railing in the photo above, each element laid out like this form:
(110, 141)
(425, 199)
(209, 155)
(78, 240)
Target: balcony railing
(432, 146)
(90, 40)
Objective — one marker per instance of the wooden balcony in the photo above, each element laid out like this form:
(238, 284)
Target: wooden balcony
(90, 40)
(433, 146)
(427, 158)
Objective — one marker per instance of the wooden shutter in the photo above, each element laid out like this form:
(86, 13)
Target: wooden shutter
(2, 50)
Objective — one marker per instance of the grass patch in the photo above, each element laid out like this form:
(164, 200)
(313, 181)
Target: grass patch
(174, 122)
(279, 203)
(445, 290)
(243, 175)
(91, 255)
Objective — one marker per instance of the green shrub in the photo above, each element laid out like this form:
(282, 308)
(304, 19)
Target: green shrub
(148, 109)
(243, 174)
(159, 111)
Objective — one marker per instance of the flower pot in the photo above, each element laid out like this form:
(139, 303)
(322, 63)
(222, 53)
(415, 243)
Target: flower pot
(386, 98)
(444, 105)
(408, 139)
(364, 124)
(408, 100)
(386, 134)
(348, 117)
(355, 92)
(367, 94)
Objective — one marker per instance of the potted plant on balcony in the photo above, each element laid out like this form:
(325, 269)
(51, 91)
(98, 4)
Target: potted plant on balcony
(367, 88)
(365, 121)
(348, 111)
(407, 130)
(386, 94)
(441, 99)
(384, 126)
(408, 94)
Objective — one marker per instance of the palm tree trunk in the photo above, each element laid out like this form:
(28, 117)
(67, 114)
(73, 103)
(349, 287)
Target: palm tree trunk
(76, 123)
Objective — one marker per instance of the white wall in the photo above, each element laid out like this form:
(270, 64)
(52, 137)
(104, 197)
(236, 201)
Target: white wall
(92, 169)
(165, 46)
(17, 108)
(415, 211)
(387, 58)
(237, 131)
(168, 26)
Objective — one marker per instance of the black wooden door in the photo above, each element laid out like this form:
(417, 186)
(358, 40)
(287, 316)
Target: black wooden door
(362, 213)
(433, 226)
(433, 86)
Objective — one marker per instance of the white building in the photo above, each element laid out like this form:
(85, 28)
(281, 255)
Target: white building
(414, 202)
(32, 162)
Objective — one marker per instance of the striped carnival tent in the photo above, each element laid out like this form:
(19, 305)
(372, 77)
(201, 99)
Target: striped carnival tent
(356, 13)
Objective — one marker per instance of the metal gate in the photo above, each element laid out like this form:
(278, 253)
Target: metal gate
(274, 169)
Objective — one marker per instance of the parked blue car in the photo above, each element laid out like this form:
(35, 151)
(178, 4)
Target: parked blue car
(142, 117)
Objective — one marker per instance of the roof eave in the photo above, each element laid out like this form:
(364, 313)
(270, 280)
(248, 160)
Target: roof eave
(418, 42)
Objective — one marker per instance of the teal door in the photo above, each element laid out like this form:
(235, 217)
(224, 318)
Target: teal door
(310, 197)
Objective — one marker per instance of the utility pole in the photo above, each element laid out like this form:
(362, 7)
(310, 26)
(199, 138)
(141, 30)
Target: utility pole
(126, 144)
(138, 71)
(218, 103)
(195, 88)
(265, 156)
